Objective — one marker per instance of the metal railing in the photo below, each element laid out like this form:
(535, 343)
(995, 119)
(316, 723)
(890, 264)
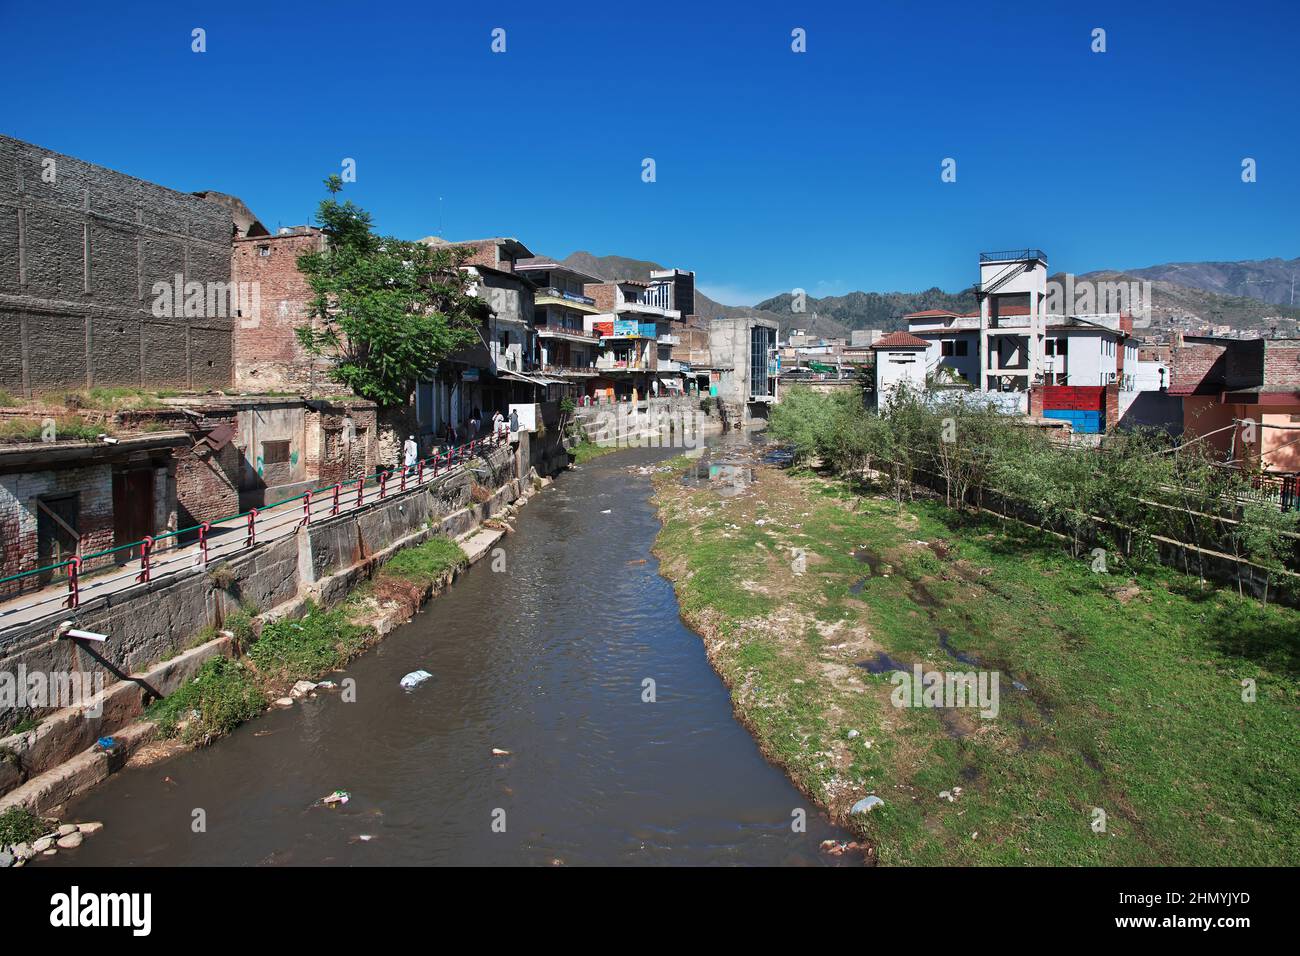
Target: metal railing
(222, 537)
(1015, 255)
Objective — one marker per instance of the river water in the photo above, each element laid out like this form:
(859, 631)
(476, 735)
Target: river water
(545, 659)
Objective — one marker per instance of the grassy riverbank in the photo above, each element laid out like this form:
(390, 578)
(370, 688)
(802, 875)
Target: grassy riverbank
(225, 693)
(1132, 699)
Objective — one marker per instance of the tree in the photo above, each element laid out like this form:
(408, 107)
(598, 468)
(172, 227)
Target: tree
(385, 310)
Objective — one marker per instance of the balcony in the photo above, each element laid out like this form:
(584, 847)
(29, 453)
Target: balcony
(605, 364)
(1014, 255)
(572, 300)
(565, 332)
(670, 340)
(569, 370)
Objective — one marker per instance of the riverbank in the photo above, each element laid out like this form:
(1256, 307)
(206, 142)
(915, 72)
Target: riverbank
(1123, 733)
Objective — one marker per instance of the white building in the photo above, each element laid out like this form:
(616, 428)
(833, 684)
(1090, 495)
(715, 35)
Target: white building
(900, 359)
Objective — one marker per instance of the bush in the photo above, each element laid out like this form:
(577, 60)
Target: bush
(427, 562)
(220, 697)
(308, 647)
(20, 825)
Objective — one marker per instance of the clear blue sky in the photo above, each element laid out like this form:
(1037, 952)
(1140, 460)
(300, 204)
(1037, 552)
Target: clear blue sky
(775, 170)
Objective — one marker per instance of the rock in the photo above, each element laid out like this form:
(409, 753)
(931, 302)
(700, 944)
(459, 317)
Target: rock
(23, 851)
(284, 702)
(87, 829)
(50, 852)
(67, 829)
(7, 859)
(302, 688)
(43, 844)
(71, 841)
(867, 804)
(415, 679)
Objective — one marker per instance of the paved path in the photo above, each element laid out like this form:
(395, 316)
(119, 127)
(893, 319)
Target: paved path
(225, 538)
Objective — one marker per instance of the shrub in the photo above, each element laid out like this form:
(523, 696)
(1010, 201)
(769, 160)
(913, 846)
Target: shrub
(220, 697)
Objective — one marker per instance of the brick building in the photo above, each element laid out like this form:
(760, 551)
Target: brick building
(108, 280)
(267, 354)
(1243, 395)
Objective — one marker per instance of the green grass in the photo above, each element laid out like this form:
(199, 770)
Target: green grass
(425, 563)
(1134, 700)
(220, 697)
(585, 451)
(7, 399)
(69, 428)
(20, 825)
(307, 647)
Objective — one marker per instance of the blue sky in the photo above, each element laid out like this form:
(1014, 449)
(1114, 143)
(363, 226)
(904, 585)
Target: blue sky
(774, 170)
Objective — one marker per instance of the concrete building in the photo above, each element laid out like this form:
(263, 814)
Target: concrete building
(900, 361)
(565, 348)
(1242, 396)
(745, 368)
(108, 280)
(1009, 283)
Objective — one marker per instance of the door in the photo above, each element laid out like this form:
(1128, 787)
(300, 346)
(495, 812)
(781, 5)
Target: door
(132, 509)
(57, 536)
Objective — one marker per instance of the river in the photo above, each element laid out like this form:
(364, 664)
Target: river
(546, 660)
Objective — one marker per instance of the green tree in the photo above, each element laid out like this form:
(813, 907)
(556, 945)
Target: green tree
(385, 310)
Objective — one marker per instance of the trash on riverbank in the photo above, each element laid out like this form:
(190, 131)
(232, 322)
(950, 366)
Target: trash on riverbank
(415, 679)
(498, 752)
(867, 804)
(337, 798)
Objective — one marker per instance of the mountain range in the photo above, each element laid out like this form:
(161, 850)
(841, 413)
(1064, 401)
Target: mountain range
(1251, 294)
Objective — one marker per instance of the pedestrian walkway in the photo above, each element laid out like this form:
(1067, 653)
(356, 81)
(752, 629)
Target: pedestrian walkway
(165, 556)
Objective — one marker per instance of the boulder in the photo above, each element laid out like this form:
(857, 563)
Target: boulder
(71, 841)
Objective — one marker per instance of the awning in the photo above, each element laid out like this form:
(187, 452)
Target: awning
(530, 379)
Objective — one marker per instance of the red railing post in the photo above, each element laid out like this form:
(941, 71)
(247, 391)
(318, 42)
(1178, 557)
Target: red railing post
(338, 487)
(252, 527)
(306, 508)
(361, 491)
(145, 547)
(383, 484)
(74, 567)
(402, 485)
(419, 472)
(203, 540)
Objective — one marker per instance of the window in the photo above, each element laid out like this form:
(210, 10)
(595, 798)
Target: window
(264, 251)
(961, 347)
(275, 452)
(946, 347)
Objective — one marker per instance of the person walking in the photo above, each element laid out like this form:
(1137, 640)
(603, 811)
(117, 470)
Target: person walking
(475, 423)
(410, 453)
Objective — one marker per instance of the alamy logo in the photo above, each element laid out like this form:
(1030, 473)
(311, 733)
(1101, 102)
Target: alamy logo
(946, 689)
(23, 689)
(75, 909)
(206, 300)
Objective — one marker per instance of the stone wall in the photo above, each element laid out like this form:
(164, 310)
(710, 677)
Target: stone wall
(81, 249)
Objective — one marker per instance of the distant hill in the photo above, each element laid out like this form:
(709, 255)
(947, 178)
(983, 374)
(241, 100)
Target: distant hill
(1268, 280)
(1243, 295)
(871, 310)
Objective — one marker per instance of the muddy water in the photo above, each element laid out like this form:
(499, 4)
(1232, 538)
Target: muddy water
(546, 660)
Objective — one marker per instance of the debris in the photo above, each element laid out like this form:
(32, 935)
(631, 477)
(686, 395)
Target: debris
(338, 797)
(43, 844)
(105, 743)
(608, 511)
(23, 851)
(6, 859)
(498, 752)
(853, 734)
(415, 679)
(327, 685)
(302, 688)
(867, 804)
(839, 847)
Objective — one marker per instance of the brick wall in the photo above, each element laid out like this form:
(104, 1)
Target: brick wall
(1282, 364)
(266, 351)
(81, 248)
(605, 294)
(93, 486)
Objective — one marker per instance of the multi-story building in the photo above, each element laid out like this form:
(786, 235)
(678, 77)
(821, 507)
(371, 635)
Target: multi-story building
(565, 347)
(638, 330)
